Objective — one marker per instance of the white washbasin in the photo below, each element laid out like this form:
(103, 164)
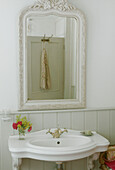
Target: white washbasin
(70, 146)
(65, 142)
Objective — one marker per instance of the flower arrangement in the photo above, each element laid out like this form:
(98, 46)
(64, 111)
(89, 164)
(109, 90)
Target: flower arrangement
(22, 125)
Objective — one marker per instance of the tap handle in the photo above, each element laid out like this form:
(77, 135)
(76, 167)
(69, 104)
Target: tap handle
(65, 130)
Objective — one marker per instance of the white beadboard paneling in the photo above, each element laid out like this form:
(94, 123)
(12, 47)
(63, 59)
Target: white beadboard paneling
(68, 165)
(79, 164)
(49, 165)
(5, 154)
(112, 127)
(103, 123)
(91, 120)
(49, 120)
(25, 164)
(78, 120)
(36, 165)
(36, 120)
(64, 120)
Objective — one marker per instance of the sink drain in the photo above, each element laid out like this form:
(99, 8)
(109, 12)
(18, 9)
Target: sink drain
(58, 142)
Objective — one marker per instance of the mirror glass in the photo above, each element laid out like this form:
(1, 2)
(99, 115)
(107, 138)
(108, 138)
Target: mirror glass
(51, 50)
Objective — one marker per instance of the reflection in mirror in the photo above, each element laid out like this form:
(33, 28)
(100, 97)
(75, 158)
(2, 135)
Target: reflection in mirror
(51, 57)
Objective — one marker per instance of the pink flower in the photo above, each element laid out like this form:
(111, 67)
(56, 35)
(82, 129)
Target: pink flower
(19, 123)
(30, 128)
(14, 125)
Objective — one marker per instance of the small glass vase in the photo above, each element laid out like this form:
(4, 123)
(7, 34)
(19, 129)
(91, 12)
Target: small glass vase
(21, 135)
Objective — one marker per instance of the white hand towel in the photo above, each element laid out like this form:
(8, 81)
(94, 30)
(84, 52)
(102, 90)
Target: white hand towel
(45, 72)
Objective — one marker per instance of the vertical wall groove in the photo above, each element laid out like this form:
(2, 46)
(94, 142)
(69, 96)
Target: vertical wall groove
(84, 119)
(56, 119)
(42, 120)
(109, 126)
(70, 114)
(97, 121)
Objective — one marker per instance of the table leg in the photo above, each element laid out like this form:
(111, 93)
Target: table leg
(59, 165)
(16, 162)
(91, 159)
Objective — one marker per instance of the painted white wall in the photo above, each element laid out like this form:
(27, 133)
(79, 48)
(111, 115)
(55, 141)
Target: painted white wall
(100, 16)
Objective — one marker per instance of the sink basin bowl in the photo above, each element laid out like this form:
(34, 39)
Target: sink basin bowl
(65, 143)
(70, 146)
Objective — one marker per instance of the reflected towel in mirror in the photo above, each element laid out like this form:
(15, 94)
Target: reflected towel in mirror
(45, 72)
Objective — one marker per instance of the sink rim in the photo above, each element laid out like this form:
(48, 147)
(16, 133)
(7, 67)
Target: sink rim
(89, 144)
(21, 149)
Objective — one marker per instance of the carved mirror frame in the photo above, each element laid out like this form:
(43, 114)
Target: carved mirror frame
(59, 8)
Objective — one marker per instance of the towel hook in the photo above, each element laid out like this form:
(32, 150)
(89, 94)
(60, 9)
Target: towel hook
(44, 39)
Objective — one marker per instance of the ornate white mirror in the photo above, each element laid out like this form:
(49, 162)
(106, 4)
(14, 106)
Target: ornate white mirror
(52, 56)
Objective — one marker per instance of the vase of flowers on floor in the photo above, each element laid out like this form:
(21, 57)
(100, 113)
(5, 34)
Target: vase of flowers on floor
(22, 125)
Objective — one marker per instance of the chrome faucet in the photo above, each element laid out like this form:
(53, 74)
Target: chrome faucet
(57, 133)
